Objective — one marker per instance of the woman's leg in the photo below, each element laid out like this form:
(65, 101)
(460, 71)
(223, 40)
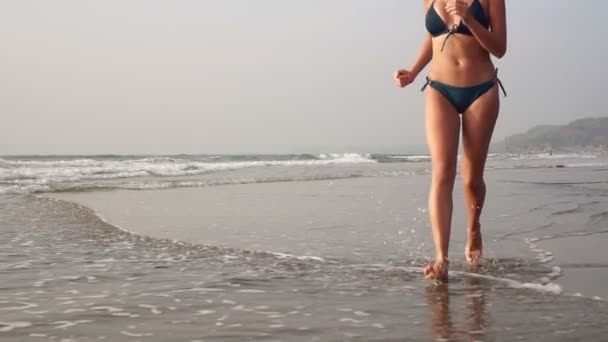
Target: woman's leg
(442, 132)
(477, 126)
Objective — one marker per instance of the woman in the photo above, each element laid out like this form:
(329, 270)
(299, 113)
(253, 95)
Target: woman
(462, 36)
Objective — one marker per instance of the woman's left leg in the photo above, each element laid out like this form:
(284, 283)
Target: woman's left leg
(478, 123)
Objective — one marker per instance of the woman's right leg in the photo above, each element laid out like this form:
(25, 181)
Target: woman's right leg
(442, 131)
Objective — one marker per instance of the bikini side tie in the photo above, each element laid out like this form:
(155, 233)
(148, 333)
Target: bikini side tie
(500, 84)
(428, 81)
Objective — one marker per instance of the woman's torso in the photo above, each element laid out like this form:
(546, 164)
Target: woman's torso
(463, 61)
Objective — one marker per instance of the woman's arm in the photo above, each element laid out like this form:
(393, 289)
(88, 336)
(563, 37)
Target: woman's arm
(494, 41)
(425, 54)
(426, 50)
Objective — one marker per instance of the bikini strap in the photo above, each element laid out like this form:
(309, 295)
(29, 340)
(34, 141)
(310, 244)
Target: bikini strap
(500, 84)
(426, 84)
(450, 33)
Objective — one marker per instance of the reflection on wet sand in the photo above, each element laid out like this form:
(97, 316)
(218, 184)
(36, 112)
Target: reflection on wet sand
(478, 319)
(445, 325)
(438, 298)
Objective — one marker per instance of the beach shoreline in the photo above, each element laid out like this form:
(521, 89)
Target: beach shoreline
(356, 219)
(334, 252)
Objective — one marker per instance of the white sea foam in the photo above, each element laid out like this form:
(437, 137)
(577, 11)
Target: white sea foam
(412, 158)
(351, 320)
(9, 326)
(51, 163)
(31, 176)
(69, 324)
(549, 287)
(155, 185)
(553, 156)
(19, 306)
(131, 334)
(153, 309)
(556, 272)
(205, 312)
(543, 256)
(48, 175)
(586, 165)
(346, 157)
(251, 291)
(197, 289)
(19, 169)
(109, 309)
(298, 257)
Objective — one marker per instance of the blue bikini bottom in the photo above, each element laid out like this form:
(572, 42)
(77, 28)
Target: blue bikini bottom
(463, 97)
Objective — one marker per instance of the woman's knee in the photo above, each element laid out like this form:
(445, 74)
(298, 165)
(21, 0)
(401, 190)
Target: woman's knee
(444, 174)
(473, 183)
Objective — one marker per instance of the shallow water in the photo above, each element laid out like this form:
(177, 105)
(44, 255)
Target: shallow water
(68, 275)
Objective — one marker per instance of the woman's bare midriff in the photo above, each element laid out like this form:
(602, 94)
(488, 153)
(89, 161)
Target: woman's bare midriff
(463, 62)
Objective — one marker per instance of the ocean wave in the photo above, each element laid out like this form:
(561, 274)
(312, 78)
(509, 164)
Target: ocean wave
(414, 158)
(586, 165)
(52, 163)
(346, 157)
(49, 187)
(551, 156)
(74, 170)
(19, 175)
(86, 185)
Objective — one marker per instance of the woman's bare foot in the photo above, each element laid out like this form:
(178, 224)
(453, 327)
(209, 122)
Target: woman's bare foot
(473, 250)
(437, 270)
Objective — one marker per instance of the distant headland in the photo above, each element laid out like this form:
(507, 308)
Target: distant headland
(589, 134)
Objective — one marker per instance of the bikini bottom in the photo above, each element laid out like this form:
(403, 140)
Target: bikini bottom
(462, 98)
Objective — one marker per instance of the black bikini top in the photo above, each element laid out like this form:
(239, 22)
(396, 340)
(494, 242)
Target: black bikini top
(437, 27)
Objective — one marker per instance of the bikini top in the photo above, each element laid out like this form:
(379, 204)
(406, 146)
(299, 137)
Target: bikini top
(436, 26)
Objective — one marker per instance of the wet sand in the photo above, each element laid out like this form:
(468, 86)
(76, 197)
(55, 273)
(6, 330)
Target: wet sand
(379, 219)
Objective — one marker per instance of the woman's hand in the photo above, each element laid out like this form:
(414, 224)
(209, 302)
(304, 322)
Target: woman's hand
(458, 8)
(404, 77)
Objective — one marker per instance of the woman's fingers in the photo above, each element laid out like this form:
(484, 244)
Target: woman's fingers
(452, 10)
(404, 81)
(457, 8)
(401, 82)
(403, 77)
(401, 72)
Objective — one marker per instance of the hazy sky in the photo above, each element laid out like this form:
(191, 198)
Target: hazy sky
(265, 76)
